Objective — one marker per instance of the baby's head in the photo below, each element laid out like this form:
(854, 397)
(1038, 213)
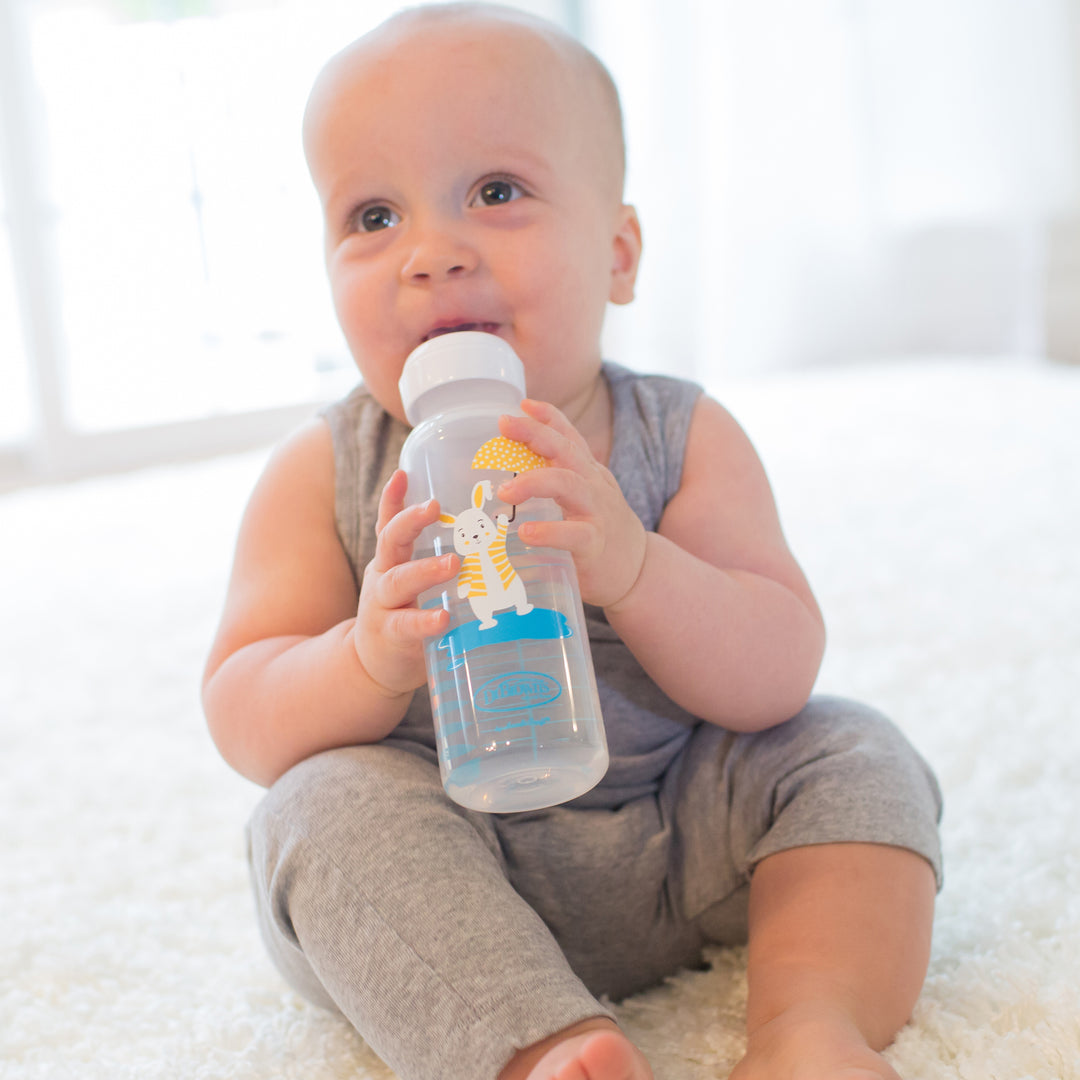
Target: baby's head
(469, 159)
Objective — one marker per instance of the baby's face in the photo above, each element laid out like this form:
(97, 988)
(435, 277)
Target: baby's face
(467, 183)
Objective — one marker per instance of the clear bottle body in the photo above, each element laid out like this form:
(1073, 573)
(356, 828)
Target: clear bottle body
(513, 693)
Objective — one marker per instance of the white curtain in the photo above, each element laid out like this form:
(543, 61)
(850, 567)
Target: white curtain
(162, 288)
(831, 181)
(820, 182)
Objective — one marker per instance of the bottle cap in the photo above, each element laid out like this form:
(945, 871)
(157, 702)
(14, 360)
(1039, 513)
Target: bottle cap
(465, 354)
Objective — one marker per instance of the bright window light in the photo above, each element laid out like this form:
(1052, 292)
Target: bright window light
(170, 240)
(15, 398)
(186, 236)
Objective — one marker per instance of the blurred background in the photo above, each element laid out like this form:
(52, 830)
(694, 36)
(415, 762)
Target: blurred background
(821, 182)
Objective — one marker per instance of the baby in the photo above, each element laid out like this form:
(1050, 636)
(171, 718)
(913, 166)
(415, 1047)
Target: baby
(469, 160)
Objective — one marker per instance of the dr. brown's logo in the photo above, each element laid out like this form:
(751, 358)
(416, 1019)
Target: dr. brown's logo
(516, 691)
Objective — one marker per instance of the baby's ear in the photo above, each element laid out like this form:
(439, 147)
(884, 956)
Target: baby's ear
(626, 254)
(447, 519)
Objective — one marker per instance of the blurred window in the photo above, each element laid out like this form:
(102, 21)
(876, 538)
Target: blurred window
(173, 208)
(14, 371)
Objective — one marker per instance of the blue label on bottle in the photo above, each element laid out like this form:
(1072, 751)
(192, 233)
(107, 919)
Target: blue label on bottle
(516, 691)
(538, 625)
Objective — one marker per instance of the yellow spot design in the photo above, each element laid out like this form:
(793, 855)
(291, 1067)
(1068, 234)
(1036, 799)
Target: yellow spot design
(504, 453)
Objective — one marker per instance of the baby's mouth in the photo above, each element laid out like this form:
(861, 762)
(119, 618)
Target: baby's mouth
(457, 328)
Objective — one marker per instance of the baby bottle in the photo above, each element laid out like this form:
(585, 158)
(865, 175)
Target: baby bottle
(517, 716)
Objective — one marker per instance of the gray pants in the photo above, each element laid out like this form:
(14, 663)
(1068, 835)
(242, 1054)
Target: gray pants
(450, 938)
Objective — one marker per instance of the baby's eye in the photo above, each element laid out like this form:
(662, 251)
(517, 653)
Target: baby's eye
(494, 192)
(374, 218)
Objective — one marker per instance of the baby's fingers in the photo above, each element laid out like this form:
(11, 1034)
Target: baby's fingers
(569, 489)
(399, 586)
(392, 500)
(555, 419)
(548, 433)
(397, 535)
(408, 625)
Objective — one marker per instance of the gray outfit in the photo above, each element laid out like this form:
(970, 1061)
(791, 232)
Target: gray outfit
(448, 937)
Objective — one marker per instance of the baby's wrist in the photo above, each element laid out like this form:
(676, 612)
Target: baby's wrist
(362, 669)
(626, 597)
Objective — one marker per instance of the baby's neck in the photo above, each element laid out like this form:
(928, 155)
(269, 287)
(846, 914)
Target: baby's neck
(591, 413)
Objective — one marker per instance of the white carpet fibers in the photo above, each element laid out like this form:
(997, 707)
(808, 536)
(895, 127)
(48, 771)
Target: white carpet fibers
(936, 510)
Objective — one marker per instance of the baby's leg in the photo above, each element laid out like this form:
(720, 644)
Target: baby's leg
(380, 898)
(839, 944)
(833, 823)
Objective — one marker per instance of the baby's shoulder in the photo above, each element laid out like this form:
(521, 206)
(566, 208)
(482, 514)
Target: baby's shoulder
(297, 482)
(650, 397)
(308, 450)
(716, 444)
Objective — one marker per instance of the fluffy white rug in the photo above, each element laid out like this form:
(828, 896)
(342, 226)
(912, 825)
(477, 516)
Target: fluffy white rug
(936, 509)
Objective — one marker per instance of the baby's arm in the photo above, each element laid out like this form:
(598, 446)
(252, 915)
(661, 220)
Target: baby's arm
(721, 614)
(712, 604)
(301, 663)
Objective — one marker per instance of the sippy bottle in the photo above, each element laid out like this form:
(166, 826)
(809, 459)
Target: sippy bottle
(517, 716)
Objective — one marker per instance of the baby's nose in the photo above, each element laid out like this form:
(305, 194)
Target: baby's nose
(437, 255)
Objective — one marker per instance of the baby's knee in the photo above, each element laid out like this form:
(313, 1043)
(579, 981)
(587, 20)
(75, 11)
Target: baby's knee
(841, 771)
(345, 796)
(315, 832)
(860, 746)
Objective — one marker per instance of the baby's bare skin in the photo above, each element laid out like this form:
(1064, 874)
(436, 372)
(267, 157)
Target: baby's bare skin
(592, 1050)
(812, 1043)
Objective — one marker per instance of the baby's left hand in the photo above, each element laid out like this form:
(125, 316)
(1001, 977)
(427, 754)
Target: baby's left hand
(599, 529)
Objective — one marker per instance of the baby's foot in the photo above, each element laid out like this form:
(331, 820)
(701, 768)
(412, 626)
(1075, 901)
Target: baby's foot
(811, 1045)
(595, 1055)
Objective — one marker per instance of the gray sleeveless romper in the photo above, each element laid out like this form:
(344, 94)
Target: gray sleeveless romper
(450, 938)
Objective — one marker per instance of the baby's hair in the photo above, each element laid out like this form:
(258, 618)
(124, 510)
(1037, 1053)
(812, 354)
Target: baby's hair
(569, 45)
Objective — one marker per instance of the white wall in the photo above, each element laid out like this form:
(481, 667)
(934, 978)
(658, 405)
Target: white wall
(826, 181)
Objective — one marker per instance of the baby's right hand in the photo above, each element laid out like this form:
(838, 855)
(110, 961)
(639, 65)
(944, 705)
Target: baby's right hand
(389, 631)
